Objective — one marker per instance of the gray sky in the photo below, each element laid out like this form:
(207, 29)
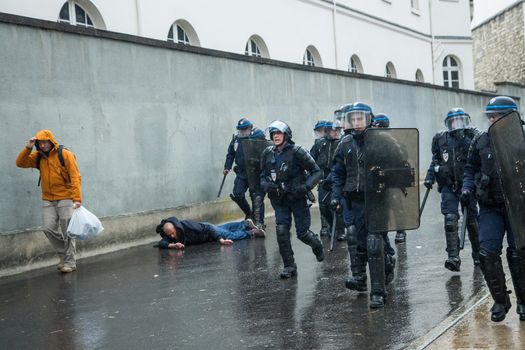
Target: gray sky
(484, 9)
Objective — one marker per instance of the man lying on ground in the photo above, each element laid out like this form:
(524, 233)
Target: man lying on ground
(176, 234)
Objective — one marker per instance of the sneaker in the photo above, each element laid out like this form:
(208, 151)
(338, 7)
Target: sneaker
(249, 224)
(258, 233)
(68, 269)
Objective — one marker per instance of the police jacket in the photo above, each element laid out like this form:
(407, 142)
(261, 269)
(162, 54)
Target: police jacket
(323, 152)
(348, 172)
(449, 156)
(188, 232)
(480, 176)
(290, 173)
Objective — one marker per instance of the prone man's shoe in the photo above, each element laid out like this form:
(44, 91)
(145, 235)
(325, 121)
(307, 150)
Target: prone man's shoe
(249, 224)
(68, 269)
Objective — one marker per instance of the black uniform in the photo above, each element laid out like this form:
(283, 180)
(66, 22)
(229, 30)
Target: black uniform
(287, 176)
(449, 156)
(323, 152)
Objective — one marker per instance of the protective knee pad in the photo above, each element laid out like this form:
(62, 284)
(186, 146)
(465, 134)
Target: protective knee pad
(351, 235)
(451, 222)
(375, 245)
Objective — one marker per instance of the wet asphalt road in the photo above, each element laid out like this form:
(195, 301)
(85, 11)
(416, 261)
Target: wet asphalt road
(230, 297)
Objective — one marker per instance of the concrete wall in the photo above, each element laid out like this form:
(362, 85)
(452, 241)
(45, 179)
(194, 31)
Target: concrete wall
(150, 124)
(376, 31)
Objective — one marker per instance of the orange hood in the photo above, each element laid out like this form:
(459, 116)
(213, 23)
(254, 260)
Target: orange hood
(44, 135)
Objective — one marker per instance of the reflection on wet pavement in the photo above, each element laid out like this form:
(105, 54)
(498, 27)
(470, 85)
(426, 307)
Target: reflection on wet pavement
(229, 297)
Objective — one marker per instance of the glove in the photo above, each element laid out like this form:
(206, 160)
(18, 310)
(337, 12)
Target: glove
(428, 184)
(335, 205)
(270, 187)
(466, 197)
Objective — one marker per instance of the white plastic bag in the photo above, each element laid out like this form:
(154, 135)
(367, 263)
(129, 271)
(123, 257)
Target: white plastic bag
(83, 224)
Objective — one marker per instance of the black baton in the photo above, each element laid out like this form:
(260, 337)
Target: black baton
(463, 228)
(424, 202)
(332, 239)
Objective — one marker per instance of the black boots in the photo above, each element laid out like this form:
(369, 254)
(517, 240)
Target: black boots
(313, 241)
(516, 260)
(453, 262)
(243, 204)
(325, 226)
(285, 249)
(358, 261)
(376, 264)
(495, 278)
(400, 236)
(258, 210)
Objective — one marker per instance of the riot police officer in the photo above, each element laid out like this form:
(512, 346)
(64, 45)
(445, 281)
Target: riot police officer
(348, 174)
(323, 152)
(482, 180)
(381, 120)
(449, 156)
(288, 173)
(245, 131)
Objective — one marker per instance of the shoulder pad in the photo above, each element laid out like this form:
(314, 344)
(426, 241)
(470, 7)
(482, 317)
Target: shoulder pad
(481, 140)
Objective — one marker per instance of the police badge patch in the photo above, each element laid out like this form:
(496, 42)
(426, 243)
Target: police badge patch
(273, 174)
(445, 156)
(235, 146)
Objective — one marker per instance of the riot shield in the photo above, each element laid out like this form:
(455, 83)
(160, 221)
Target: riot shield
(508, 146)
(391, 160)
(252, 149)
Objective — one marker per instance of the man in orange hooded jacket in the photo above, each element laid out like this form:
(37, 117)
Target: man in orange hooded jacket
(61, 192)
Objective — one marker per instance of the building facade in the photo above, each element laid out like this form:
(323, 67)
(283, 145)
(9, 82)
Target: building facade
(417, 40)
(499, 48)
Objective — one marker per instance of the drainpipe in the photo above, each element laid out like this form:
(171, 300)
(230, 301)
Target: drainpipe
(432, 41)
(334, 14)
(137, 12)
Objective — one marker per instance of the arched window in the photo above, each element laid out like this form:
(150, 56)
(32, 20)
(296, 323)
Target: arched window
(181, 38)
(419, 76)
(451, 72)
(255, 46)
(311, 57)
(181, 32)
(73, 14)
(390, 71)
(355, 65)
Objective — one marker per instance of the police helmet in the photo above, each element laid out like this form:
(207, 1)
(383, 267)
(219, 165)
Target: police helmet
(244, 124)
(358, 112)
(257, 134)
(456, 119)
(278, 125)
(381, 120)
(500, 106)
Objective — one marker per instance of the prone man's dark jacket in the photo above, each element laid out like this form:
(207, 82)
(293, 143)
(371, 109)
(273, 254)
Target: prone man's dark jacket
(188, 232)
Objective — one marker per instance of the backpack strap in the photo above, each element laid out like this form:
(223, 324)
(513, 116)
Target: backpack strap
(60, 159)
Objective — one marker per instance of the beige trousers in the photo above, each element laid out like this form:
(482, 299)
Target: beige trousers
(55, 217)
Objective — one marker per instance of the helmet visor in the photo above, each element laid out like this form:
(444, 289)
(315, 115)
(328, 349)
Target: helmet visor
(457, 122)
(276, 125)
(356, 120)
